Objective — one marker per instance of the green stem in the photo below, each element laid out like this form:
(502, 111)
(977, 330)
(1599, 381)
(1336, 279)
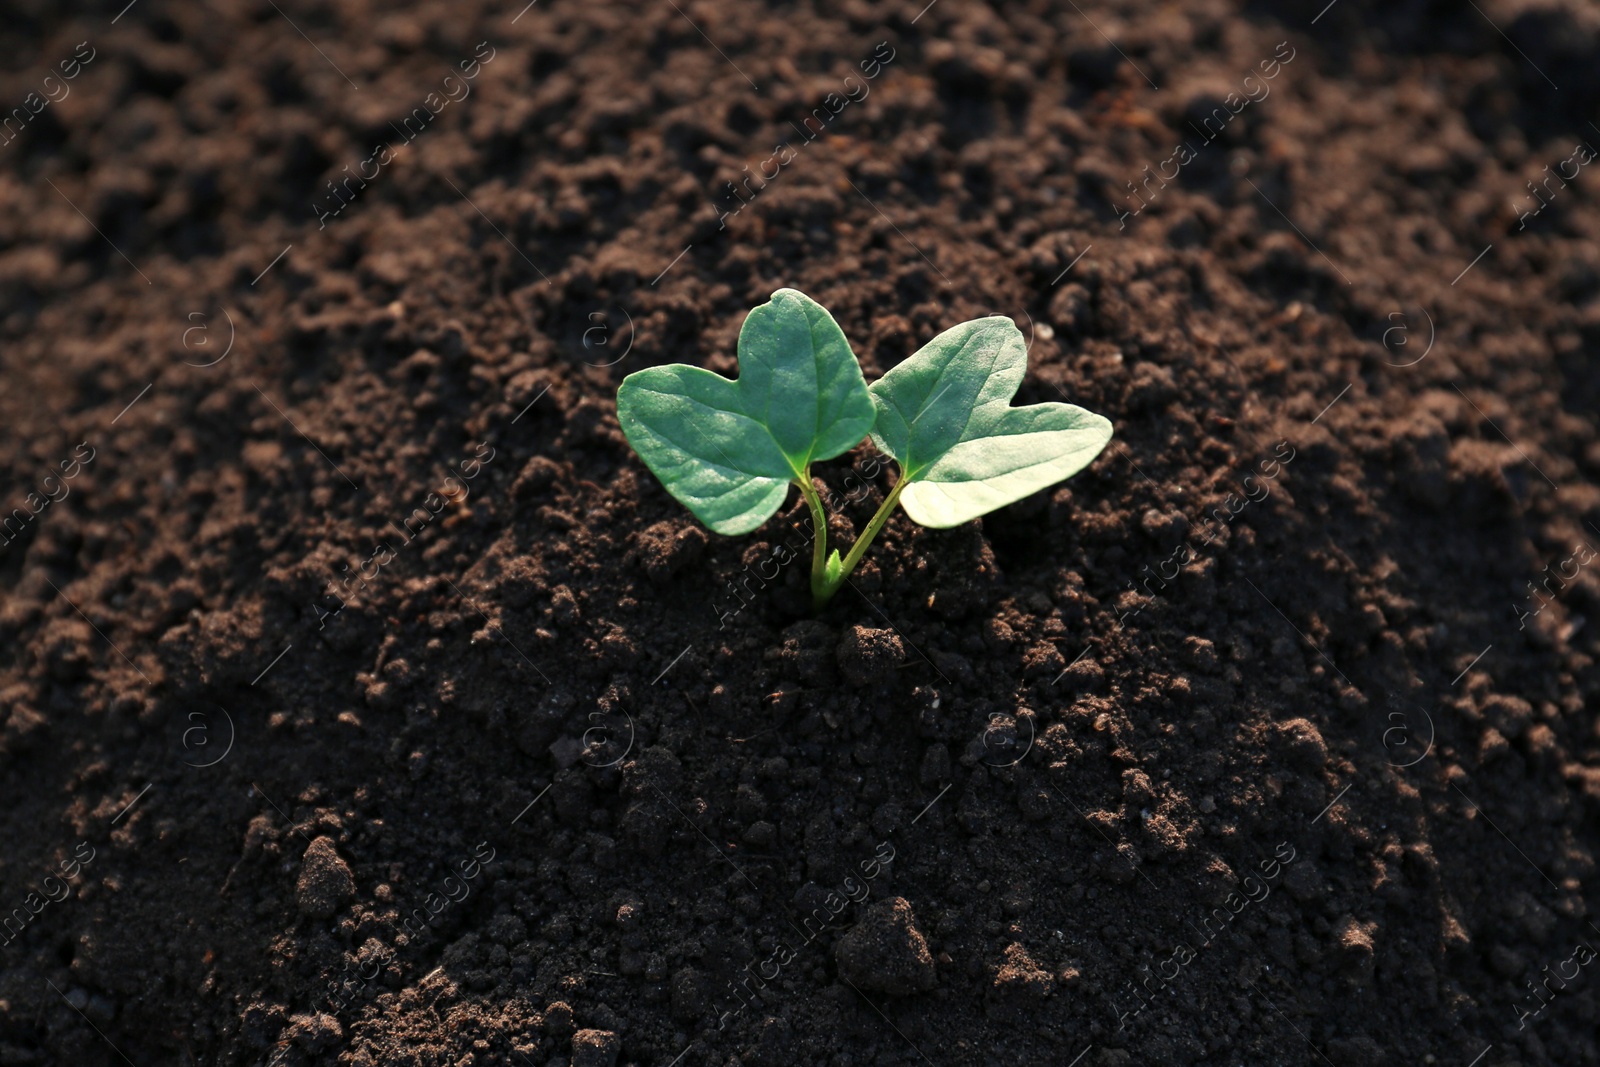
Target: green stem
(823, 592)
(819, 549)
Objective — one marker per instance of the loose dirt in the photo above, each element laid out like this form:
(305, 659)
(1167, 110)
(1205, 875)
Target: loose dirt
(365, 701)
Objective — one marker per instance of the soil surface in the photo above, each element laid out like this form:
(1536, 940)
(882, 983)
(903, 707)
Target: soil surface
(364, 700)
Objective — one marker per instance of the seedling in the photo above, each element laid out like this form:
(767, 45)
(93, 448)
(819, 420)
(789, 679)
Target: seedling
(729, 450)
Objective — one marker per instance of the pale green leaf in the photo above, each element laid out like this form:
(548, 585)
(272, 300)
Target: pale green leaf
(728, 449)
(945, 415)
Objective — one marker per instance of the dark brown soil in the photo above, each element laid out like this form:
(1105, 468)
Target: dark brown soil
(365, 701)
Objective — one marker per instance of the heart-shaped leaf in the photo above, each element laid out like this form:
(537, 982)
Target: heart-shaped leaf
(945, 415)
(727, 450)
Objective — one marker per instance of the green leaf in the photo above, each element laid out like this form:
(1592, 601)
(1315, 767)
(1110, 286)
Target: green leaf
(945, 415)
(799, 377)
(727, 450)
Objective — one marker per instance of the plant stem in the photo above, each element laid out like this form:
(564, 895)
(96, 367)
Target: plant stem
(819, 549)
(823, 591)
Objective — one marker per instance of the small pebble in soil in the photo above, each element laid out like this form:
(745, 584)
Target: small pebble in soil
(866, 654)
(1019, 976)
(558, 1020)
(885, 952)
(325, 881)
(1303, 744)
(595, 1048)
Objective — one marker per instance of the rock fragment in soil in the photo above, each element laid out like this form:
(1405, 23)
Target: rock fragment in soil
(865, 654)
(1018, 987)
(595, 1048)
(1020, 976)
(691, 994)
(1303, 743)
(558, 1019)
(666, 549)
(325, 881)
(885, 952)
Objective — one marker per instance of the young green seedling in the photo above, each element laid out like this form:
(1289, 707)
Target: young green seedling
(728, 450)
